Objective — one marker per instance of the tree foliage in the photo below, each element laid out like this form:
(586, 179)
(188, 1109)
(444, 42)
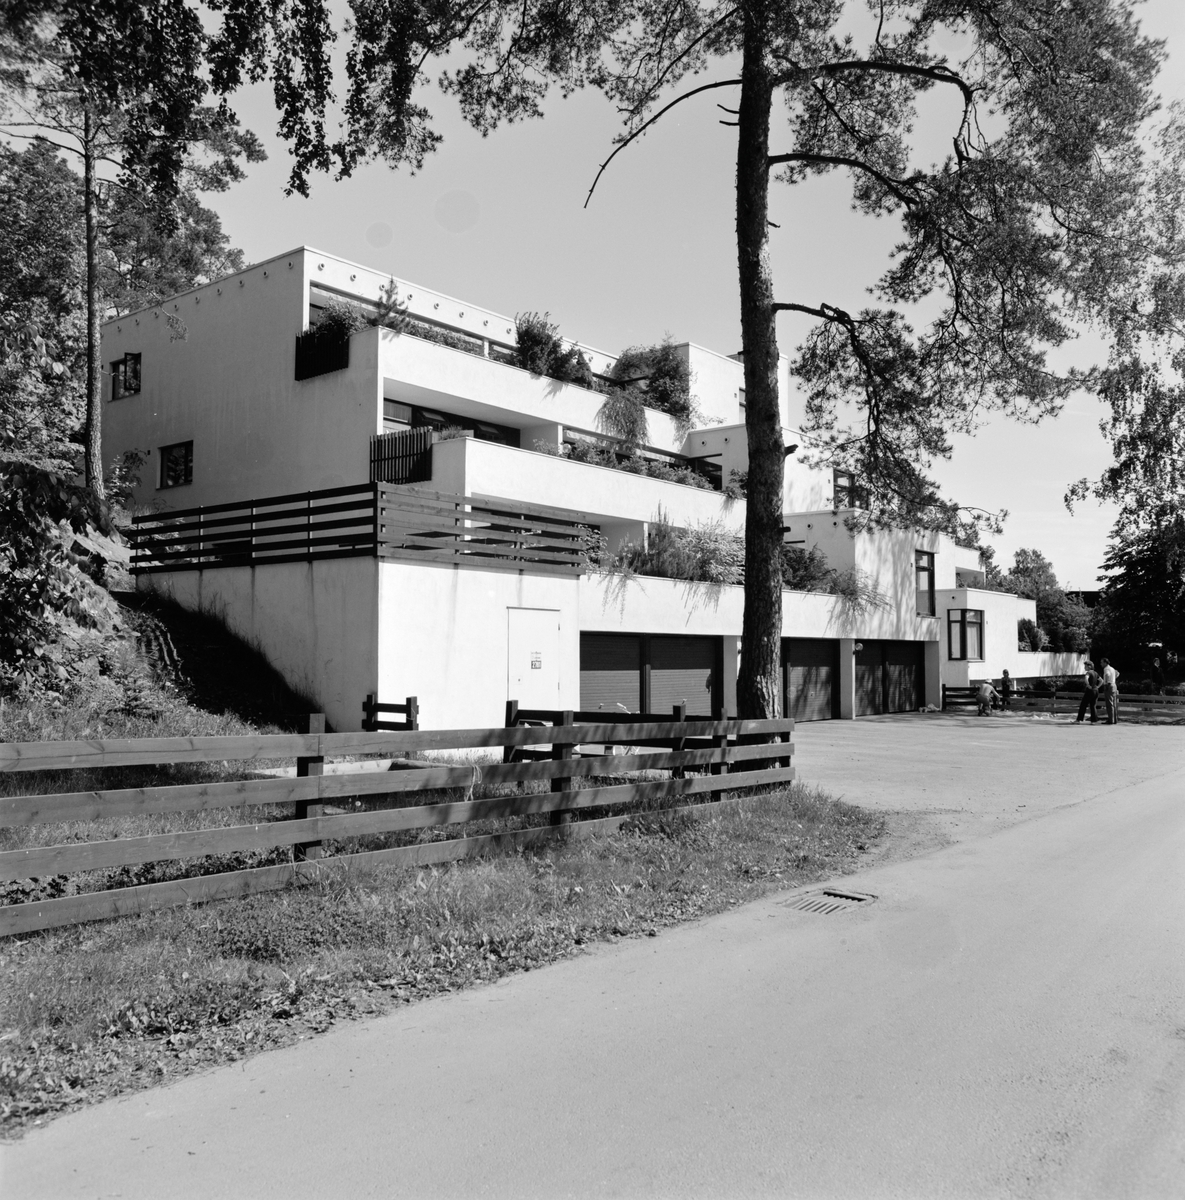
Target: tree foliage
(1143, 600)
(41, 327)
(1064, 621)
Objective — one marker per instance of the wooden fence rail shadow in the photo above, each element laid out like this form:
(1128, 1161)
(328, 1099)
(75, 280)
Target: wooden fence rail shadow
(733, 755)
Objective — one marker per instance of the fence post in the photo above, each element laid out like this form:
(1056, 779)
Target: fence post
(511, 722)
(679, 713)
(369, 712)
(308, 524)
(313, 765)
(413, 712)
(944, 697)
(562, 752)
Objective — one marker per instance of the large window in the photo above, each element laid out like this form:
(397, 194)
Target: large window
(176, 464)
(125, 376)
(923, 570)
(964, 633)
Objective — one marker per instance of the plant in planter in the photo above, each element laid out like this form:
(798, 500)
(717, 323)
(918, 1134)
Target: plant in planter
(662, 377)
(541, 351)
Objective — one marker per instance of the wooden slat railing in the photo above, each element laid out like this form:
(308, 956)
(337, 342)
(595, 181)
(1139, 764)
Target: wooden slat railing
(374, 519)
(732, 760)
(404, 456)
(372, 707)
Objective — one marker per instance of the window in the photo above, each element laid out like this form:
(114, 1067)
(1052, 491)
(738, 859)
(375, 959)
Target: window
(176, 464)
(125, 376)
(923, 569)
(741, 399)
(964, 633)
(846, 493)
(396, 414)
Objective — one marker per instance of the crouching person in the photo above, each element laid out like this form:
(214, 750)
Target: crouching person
(987, 696)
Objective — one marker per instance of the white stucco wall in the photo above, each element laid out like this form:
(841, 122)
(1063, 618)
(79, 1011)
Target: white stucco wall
(1001, 613)
(316, 623)
(478, 468)
(443, 638)
(229, 387)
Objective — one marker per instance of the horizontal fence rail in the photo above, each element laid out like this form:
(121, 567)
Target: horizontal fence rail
(416, 525)
(374, 519)
(695, 760)
(1066, 701)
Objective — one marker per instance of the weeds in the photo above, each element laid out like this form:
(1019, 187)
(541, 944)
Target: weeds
(96, 1010)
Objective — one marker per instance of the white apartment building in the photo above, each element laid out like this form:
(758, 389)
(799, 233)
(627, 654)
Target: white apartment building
(296, 500)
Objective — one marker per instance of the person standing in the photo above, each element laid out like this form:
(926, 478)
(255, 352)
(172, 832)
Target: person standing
(1090, 696)
(1110, 691)
(1006, 691)
(1157, 677)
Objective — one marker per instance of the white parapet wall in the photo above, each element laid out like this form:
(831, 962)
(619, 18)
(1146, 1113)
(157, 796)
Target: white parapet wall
(316, 623)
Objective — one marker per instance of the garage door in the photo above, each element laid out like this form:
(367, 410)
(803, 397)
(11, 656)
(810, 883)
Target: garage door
(810, 673)
(610, 672)
(683, 670)
(905, 687)
(644, 673)
(889, 677)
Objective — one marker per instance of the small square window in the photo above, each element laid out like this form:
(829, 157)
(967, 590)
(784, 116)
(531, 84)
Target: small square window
(125, 376)
(176, 464)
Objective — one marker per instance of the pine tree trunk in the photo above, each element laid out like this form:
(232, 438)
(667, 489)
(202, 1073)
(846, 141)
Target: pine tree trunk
(94, 366)
(757, 685)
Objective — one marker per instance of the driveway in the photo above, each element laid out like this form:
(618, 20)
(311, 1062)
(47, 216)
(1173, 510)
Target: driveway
(1005, 1019)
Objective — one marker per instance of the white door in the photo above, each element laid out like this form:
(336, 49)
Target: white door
(533, 659)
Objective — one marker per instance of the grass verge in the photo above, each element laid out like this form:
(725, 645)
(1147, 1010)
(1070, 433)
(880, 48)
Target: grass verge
(95, 1010)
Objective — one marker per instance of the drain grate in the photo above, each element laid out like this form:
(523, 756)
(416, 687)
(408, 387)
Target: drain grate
(829, 900)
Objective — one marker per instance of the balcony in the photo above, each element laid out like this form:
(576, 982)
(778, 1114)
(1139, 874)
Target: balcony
(469, 466)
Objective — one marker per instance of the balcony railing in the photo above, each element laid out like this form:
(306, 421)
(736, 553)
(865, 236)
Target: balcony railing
(401, 457)
(375, 520)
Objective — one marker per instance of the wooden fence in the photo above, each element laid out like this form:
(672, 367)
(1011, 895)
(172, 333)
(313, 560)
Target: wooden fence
(1067, 702)
(736, 755)
(372, 708)
(373, 519)
(404, 456)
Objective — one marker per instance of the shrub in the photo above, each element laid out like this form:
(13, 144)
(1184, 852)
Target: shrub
(661, 375)
(339, 320)
(1029, 636)
(623, 416)
(805, 570)
(706, 553)
(46, 598)
(541, 351)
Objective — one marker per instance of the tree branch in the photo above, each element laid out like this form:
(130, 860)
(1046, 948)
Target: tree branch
(707, 87)
(894, 185)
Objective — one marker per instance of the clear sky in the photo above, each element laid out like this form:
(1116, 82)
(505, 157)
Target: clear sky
(499, 222)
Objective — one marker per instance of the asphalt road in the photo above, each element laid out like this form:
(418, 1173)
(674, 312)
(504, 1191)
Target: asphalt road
(1006, 1019)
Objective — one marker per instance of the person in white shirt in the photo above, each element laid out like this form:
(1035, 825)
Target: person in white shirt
(1110, 691)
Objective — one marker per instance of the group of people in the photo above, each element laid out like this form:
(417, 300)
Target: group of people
(1105, 685)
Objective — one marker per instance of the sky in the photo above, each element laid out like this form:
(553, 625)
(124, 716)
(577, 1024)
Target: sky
(500, 221)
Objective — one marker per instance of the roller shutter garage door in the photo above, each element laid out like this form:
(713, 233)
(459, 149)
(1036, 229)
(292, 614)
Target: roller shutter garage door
(610, 672)
(684, 669)
(889, 677)
(905, 680)
(811, 677)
